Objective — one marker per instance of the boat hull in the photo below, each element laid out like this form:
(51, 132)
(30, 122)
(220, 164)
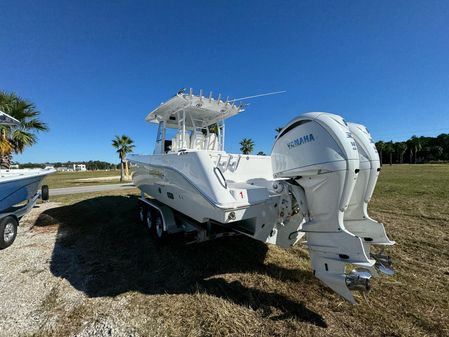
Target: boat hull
(173, 188)
(190, 184)
(177, 181)
(16, 188)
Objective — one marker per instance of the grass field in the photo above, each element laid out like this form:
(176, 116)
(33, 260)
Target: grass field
(241, 287)
(72, 179)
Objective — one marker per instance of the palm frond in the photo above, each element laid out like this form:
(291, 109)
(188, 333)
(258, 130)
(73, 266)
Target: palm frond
(26, 113)
(34, 124)
(21, 139)
(124, 144)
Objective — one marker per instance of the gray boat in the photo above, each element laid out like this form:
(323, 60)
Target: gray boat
(19, 191)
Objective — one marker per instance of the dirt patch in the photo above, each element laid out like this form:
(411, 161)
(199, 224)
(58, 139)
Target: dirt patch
(45, 224)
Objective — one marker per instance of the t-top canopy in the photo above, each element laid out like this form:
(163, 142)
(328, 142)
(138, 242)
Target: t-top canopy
(8, 120)
(199, 111)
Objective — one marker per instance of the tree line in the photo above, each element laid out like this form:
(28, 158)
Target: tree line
(91, 165)
(415, 150)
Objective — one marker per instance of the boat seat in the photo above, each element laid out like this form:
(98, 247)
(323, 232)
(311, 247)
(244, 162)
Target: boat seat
(198, 140)
(179, 142)
(212, 142)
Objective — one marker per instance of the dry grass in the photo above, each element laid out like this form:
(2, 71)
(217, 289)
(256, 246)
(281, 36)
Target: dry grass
(73, 179)
(240, 287)
(78, 197)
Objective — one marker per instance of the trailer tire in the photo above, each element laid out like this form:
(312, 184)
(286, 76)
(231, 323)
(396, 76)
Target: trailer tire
(142, 213)
(8, 231)
(149, 219)
(45, 194)
(161, 234)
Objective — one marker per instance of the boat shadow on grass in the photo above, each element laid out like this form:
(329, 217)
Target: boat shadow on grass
(102, 249)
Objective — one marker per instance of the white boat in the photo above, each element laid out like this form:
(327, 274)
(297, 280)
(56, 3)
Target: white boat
(19, 185)
(315, 185)
(19, 190)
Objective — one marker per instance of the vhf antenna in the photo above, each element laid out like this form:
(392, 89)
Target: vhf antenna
(259, 95)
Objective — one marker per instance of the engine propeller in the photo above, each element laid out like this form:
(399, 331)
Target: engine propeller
(358, 279)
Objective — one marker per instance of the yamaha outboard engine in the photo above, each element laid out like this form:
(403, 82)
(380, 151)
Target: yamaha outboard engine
(318, 155)
(356, 218)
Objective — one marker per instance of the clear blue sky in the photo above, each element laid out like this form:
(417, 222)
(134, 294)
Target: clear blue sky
(95, 68)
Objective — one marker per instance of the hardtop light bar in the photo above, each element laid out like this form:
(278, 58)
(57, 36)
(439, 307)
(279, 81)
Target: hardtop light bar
(205, 109)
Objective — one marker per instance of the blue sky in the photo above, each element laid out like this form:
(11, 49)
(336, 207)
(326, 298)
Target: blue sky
(95, 69)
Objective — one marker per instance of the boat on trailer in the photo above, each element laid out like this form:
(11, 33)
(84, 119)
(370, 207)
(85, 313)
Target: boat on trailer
(315, 187)
(19, 191)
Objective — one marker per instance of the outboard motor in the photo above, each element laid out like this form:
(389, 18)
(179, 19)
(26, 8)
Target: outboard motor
(356, 217)
(319, 156)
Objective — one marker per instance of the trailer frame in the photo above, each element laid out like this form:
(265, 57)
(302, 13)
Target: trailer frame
(175, 222)
(17, 213)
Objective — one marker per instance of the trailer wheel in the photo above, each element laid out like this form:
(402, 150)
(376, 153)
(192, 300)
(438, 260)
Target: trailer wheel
(8, 231)
(45, 194)
(142, 213)
(161, 234)
(149, 219)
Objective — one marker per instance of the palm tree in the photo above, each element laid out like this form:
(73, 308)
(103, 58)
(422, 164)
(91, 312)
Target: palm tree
(389, 148)
(124, 145)
(416, 146)
(16, 139)
(437, 151)
(213, 128)
(247, 145)
(278, 130)
(401, 147)
(410, 150)
(443, 141)
(380, 145)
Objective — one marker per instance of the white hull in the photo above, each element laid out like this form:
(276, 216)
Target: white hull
(187, 183)
(17, 186)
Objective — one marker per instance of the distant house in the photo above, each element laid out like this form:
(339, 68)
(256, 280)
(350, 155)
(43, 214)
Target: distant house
(14, 166)
(79, 167)
(63, 169)
(49, 167)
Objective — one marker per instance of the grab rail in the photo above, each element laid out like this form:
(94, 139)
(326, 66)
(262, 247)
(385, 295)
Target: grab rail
(224, 183)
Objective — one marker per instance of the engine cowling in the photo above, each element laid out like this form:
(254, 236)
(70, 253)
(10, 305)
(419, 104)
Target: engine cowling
(318, 154)
(356, 217)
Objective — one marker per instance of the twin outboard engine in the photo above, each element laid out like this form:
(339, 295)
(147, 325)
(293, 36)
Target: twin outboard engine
(334, 166)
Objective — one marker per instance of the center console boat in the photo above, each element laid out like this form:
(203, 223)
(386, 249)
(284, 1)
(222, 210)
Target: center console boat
(316, 186)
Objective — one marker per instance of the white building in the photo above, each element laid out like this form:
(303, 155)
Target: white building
(79, 167)
(62, 169)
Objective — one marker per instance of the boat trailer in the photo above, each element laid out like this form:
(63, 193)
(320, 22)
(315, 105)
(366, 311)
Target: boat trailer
(10, 219)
